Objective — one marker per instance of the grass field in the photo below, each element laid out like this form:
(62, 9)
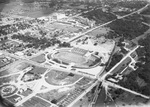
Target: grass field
(64, 26)
(38, 70)
(4, 72)
(69, 57)
(55, 77)
(39, 59)
(16, 67)
(99, 31)
(8, 79)
(23, 66)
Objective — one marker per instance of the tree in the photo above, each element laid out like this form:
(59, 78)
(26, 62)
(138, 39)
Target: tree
(120, 42)
(64, 44)
(146, 90)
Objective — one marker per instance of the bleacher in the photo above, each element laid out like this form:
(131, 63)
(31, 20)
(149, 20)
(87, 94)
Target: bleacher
(79, 51)
(83, 81)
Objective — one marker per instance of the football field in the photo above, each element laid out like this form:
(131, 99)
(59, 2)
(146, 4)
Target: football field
(69, 57)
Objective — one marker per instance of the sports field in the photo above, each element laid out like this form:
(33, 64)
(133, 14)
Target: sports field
(67, 27)
(55, 77)
(69, 57)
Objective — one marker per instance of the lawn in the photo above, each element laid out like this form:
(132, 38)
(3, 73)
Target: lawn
(99, 31)
(39, 59)
(69, 57)
(4, 72)
(38, 70)
(55, 77)
(23, 66)
(8, 79)
(64, 26)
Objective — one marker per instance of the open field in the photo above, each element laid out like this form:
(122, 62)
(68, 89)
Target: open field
(8, 79)
(38, 70)
(23, 66)
(6, 72)
(99, 31)
(55, 77)
(64, 26)
(39, 59)
(64, 96)
(16, 67)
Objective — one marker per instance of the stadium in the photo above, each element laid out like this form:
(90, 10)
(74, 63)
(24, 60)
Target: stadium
(75, 58)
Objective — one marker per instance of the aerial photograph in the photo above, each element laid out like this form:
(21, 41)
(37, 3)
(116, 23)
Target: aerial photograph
(74, 53)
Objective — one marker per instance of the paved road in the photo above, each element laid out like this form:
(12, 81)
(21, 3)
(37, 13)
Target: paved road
(125, 89)
(83, 34)
(80, 35)
(109, 72)
(138, 11)
(103, 78)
